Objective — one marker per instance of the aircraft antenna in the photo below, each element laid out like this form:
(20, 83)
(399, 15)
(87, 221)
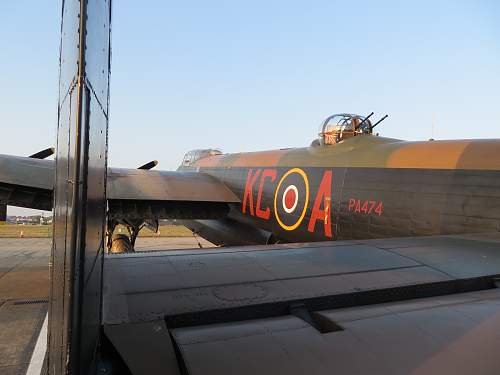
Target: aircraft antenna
(433, 125)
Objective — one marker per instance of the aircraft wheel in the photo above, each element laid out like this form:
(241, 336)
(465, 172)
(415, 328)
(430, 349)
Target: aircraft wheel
(121, 244)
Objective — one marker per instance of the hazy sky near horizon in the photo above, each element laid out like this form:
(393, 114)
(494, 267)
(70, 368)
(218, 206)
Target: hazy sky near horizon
(257, 75)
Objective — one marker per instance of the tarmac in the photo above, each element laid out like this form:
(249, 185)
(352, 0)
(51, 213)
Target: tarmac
(24, 293)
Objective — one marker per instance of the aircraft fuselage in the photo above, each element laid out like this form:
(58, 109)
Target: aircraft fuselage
(365, 187)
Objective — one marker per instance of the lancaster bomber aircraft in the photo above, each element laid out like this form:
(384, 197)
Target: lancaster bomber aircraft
(363, 254)
(418, 224)
(348, 184)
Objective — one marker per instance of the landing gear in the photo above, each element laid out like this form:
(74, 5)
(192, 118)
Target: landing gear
(119, 243)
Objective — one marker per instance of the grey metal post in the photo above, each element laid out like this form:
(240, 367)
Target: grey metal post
(80, 187)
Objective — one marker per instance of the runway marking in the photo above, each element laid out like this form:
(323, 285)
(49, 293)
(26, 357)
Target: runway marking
(38, 356)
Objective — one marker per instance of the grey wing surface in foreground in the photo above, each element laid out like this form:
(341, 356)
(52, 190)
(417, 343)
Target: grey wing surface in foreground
(393, 306)
(28, 182)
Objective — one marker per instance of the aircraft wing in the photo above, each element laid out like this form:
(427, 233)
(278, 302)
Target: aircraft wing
(138, 184)
(28, 182)
(343, 307)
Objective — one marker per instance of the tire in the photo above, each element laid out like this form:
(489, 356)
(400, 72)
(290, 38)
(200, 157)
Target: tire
(121, 244)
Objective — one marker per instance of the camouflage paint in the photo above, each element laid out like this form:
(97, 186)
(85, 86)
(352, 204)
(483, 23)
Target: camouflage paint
(375, 187)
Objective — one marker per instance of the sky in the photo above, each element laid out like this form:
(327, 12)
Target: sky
(257, 75)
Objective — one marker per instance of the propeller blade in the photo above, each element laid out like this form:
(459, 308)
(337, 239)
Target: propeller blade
(148, 166)
(44, 153)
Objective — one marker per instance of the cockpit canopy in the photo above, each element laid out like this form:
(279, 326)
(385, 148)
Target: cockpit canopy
(341, 126)
(194, 155)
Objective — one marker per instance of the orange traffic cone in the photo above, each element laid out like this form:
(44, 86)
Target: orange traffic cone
(21, 235)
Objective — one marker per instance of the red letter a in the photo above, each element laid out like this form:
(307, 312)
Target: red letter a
(324, 195)
(248, 195)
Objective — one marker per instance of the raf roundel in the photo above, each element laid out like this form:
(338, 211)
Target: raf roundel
(291, 199)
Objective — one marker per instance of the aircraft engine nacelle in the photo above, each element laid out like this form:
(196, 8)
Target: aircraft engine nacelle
(154, 210)
(228, 232)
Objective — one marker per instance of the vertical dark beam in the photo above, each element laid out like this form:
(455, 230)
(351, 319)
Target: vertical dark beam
(80, 187)
(3, 213)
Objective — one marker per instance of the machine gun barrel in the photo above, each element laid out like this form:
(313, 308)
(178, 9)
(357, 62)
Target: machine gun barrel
(366, 118)
(379, 121)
